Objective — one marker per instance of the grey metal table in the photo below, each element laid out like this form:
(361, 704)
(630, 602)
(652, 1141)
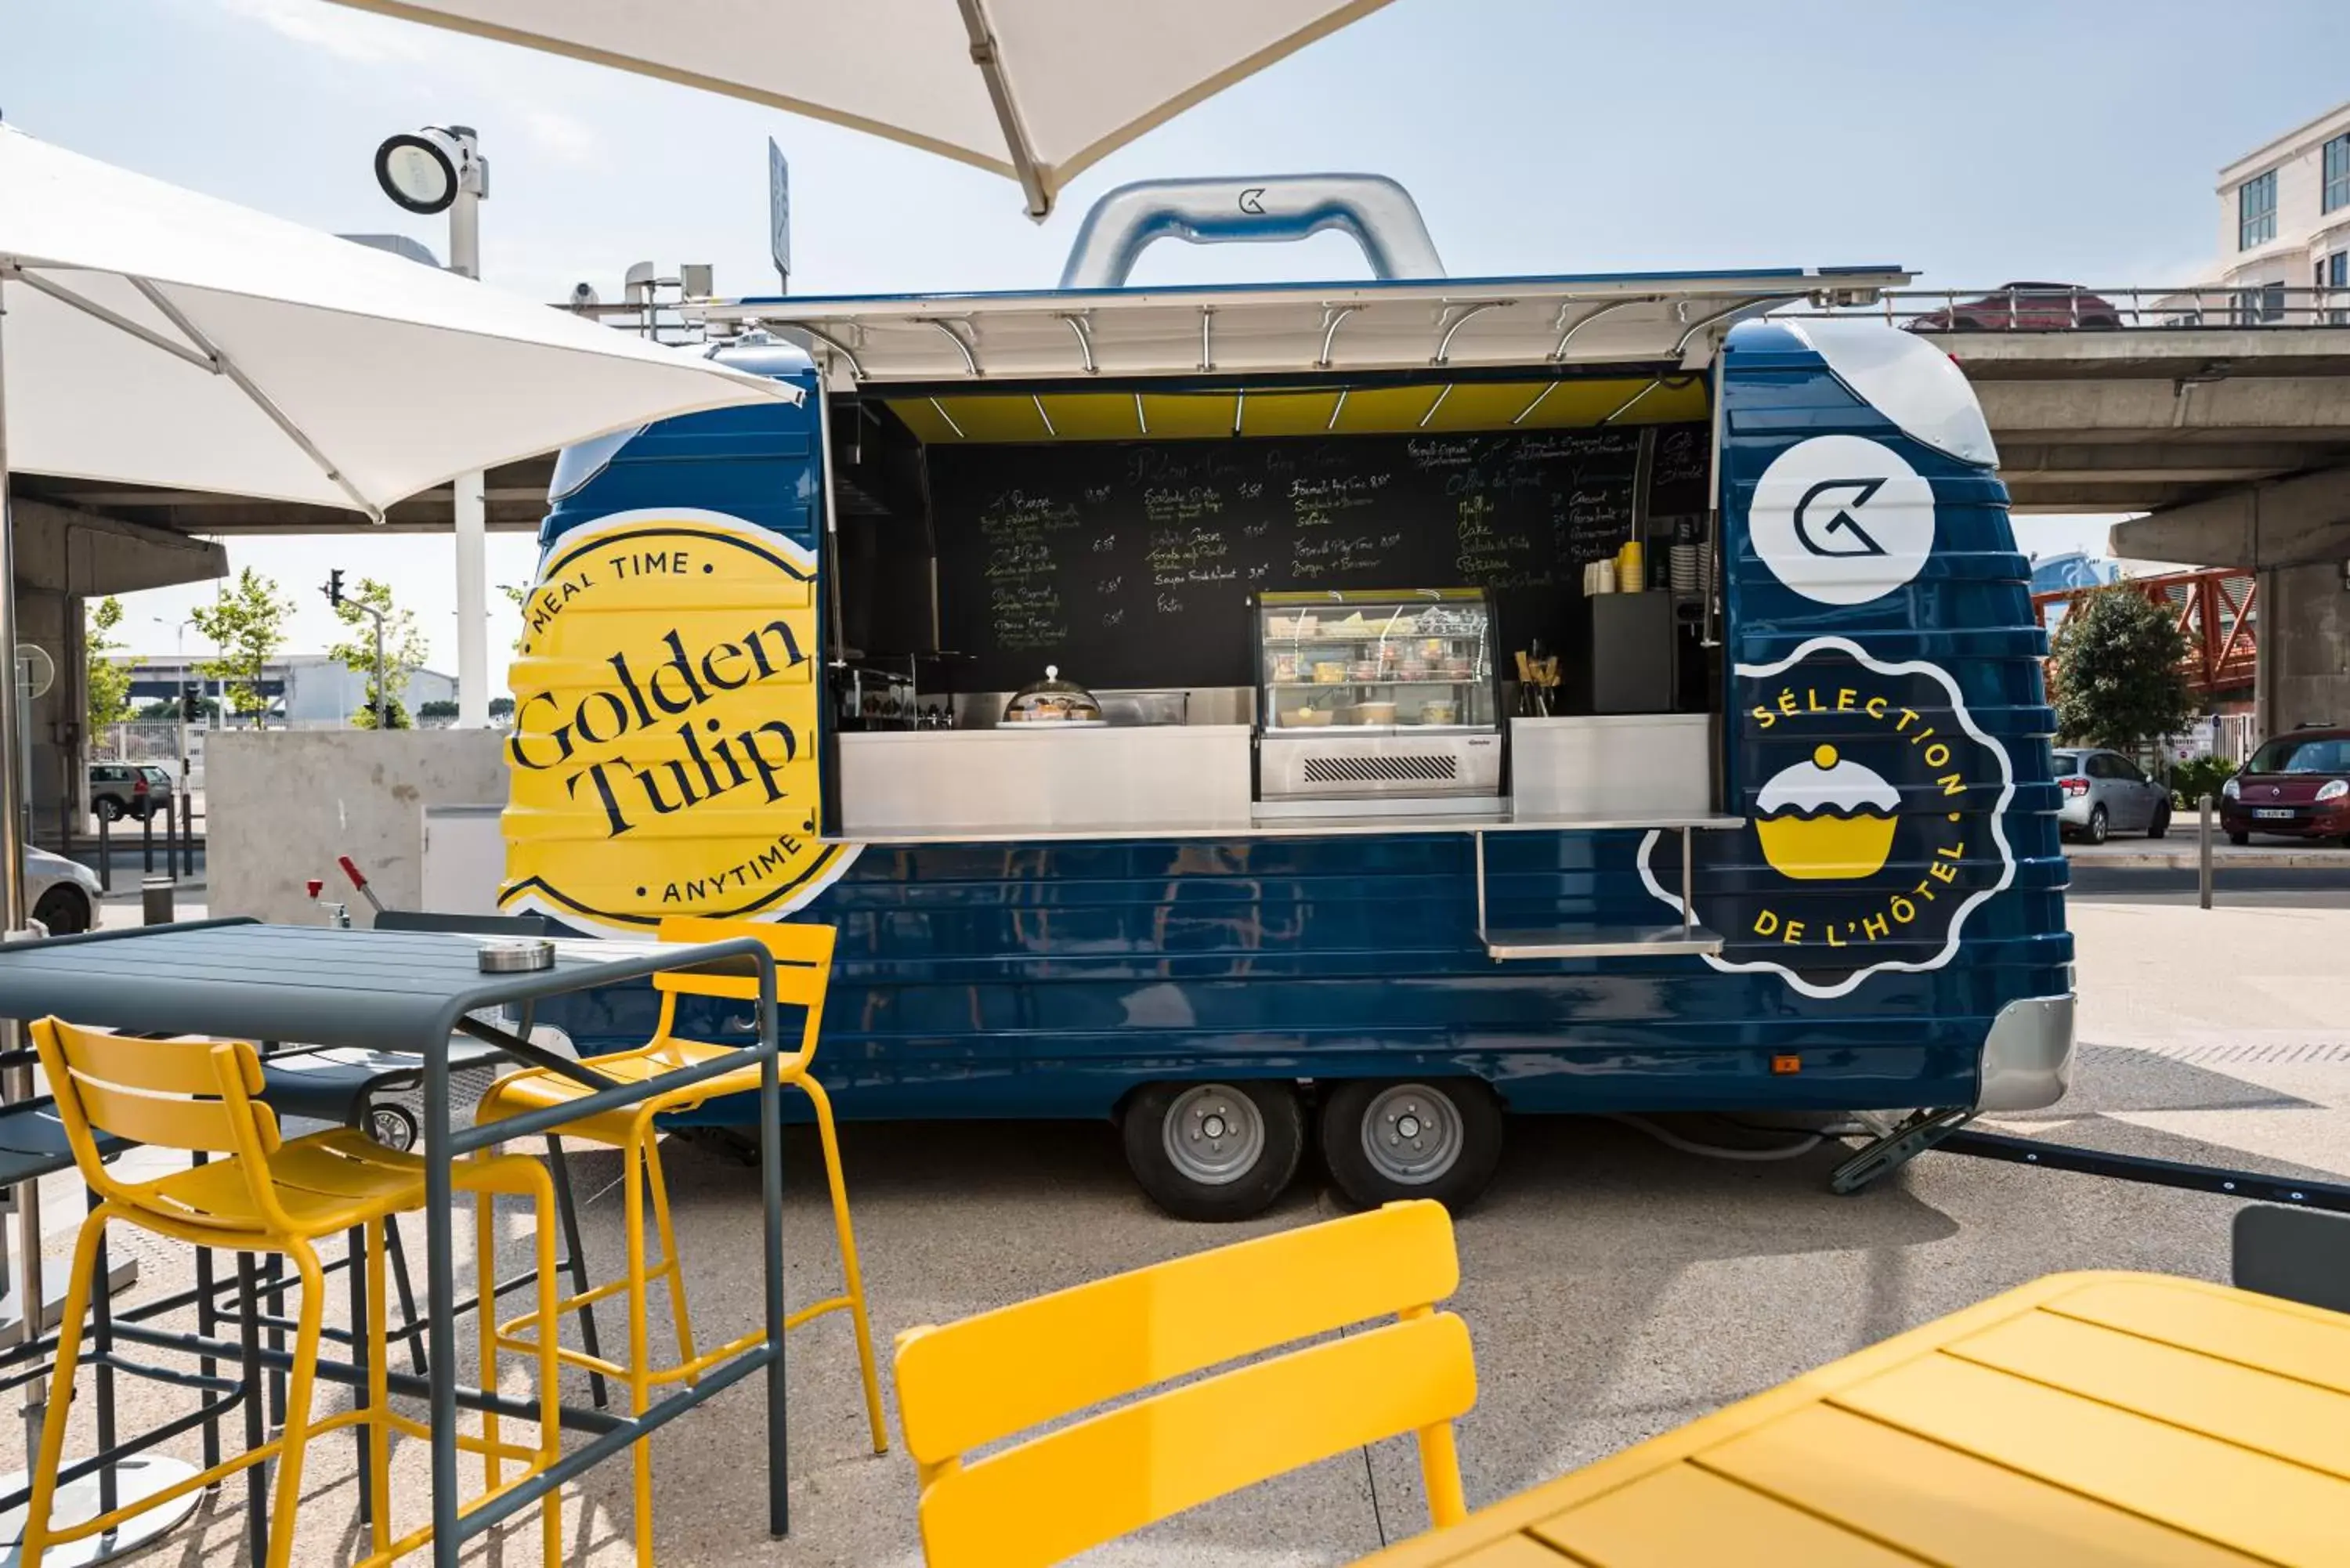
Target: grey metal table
(408, 992)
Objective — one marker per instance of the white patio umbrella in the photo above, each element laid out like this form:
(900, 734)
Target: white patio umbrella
(1034, 89)
(152, 336)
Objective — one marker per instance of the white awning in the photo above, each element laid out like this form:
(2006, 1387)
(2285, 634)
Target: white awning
(153, 335)
(1665, 321)
(1035, 89)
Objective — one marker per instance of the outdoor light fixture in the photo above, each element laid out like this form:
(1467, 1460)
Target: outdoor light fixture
(419, 169)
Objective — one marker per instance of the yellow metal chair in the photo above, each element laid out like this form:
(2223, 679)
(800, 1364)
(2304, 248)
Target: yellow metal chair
(272, 1197)
(1007, 1372)
(803, 956)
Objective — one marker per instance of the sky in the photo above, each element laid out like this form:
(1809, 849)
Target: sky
(1972, 143)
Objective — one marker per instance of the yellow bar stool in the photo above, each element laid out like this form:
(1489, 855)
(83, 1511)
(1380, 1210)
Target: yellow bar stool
(1049, 1496)
(803, 956)
(273, 1197)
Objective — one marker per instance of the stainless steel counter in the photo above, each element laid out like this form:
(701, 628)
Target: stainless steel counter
(947, 785)
(1614, 762)
(1303, 828)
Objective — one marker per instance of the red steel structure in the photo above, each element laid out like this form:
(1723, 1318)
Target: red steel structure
(2217, 609)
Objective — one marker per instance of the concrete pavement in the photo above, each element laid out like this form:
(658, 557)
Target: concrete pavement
(1614, 1287)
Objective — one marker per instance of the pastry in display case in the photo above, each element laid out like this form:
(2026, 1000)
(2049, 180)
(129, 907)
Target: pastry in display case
(1370, 695)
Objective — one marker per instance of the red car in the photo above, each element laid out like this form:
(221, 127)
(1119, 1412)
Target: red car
(2297, 786)
(2024, 307)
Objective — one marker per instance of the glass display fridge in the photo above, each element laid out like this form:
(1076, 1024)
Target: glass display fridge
(1376, 696)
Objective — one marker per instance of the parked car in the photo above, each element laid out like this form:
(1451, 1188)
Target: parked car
(62, 894)
(2297, 786)
(2104, 792)
(134, 790)
(2024, 307)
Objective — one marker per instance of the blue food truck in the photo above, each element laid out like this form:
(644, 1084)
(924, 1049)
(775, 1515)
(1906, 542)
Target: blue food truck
(1334, 712)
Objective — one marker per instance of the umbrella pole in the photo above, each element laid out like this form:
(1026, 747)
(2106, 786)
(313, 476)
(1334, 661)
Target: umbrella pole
(17, 1081)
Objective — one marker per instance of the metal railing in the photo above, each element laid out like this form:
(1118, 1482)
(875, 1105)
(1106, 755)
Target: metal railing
(2071, 309)
(2216, 611)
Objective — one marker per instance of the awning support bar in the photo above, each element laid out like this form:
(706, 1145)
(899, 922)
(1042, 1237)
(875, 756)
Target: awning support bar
(1084, 341)
(1703, 322)
(970, 359)
(261, 400)
(1332, 315)
(985, 55)
(1588, 316)
(121, 323)
(1444, 345)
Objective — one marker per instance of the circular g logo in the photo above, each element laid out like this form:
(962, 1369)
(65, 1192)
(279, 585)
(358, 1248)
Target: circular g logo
(1842, 519)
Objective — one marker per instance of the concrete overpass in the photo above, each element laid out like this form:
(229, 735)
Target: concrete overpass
(2234, 441)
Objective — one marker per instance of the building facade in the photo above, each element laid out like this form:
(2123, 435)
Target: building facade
(2285, 223)
(307, 691)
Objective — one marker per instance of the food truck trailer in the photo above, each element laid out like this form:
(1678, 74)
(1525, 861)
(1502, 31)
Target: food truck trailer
(1334, 713)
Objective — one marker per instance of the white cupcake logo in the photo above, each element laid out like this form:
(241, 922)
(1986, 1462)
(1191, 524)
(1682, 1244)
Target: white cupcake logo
(1828, 819)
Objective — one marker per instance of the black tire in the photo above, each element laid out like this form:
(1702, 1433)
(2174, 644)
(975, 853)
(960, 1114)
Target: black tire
(1240, 1143)
(63, 912)
(2097, 825)
(1404, 1114)
(109, 808)
(2161, 822)
(2238, 839)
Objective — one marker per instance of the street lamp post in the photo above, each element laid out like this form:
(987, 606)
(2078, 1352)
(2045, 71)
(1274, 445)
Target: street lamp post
(440, 169)
(180, 706)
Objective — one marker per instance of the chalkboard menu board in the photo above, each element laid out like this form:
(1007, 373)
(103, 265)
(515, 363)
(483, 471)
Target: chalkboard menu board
(1132, 564)
(1679, 471)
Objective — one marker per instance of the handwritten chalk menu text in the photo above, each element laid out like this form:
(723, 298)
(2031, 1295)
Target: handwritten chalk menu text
(1132, 564)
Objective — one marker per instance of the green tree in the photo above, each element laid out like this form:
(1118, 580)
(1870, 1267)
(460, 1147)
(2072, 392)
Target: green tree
(246, 627)
(501, 707)
(438, 709)
(2119, 670)
(403, 648)
(518, 596)
(107, 681)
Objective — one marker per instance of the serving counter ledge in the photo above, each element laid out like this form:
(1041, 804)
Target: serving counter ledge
(1297, 828)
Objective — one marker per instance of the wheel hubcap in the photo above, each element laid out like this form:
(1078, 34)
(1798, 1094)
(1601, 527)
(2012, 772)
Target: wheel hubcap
(1213, 1135)
(1412, 1134)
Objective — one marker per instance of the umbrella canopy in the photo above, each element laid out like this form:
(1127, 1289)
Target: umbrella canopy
(1035, 89)
(153, 335)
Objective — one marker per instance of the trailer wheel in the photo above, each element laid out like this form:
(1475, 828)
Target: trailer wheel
(1430, 1138)
(1214, 1151)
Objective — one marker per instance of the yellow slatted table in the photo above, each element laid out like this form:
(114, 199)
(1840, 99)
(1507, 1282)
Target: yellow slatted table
(2087, 1420)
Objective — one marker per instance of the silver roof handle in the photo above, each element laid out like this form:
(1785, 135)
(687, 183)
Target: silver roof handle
(1378, 213)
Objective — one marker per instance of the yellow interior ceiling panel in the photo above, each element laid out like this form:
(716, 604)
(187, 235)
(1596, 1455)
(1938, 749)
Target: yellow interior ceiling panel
(1360, 411)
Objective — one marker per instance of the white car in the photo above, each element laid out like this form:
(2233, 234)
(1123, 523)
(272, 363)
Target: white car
(62, 894)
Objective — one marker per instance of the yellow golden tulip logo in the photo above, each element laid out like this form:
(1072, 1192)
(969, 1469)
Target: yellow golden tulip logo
(663, 760)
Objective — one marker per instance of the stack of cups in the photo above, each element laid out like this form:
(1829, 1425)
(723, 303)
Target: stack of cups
(1630, 574)
(1682, 568)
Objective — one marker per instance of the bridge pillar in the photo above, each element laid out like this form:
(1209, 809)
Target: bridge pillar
(2304, 647)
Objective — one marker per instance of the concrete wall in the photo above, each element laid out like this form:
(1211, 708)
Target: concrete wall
(283, 804)
(2305, 647)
